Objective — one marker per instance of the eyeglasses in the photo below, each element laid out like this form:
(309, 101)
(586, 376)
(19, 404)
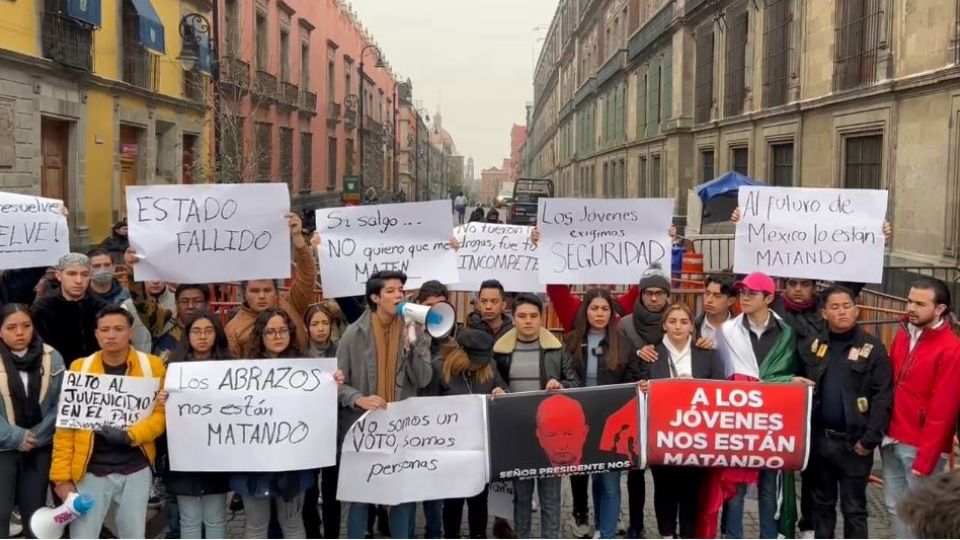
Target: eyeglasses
(654, 294)
(200, 332)
(276, 332)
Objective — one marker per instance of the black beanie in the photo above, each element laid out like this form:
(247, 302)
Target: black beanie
(654, 277)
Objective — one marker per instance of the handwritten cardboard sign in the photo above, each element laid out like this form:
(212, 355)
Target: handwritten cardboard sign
(702, 423)
(33, 231)
(91, 401)
(418, 449)
(496, 250)
(210, 233)
(358, 241)
(602, 240)
(832, 234)
(252, 415)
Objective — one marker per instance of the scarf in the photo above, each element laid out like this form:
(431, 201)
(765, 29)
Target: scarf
(26, 401)
(317, 351)
(649, 326)
(386, 339)
(795, 307)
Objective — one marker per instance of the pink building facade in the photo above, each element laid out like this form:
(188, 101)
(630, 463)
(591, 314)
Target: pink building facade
(290, 99)
(518, 137)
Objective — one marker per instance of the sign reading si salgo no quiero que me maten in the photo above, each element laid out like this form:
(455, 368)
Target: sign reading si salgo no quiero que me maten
(358, 241)
(252, 415)
(602, 240)
(210, 233)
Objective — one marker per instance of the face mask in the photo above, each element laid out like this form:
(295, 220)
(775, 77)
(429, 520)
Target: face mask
(101, 276)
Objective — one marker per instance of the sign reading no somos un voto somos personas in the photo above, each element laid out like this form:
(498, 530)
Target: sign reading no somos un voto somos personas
(33, 231)
(210, 233)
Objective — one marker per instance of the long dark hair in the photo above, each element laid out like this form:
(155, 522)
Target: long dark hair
(256, 349)
(577, 338)
(221, 348)
(9, 309)
(320, 308)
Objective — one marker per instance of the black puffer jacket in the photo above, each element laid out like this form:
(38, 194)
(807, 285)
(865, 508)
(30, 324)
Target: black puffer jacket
(68, 325)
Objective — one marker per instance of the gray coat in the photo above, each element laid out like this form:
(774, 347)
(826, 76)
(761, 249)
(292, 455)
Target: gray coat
(12, 435)
(357, 359)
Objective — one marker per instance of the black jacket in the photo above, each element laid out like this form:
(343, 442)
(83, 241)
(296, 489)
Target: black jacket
(475, 321)
(465, 384)
(555, 361)
(868, 381)
(19, 286)
(704, 364)
(68, 326)
(628, 368)
(193, 484)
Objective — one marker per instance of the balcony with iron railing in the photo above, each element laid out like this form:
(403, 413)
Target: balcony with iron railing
(333, 113)
(370, 125)
(308, 103)
(235, 72)
(140, 67)
(67, 42)
(289, 95)
(265, 85)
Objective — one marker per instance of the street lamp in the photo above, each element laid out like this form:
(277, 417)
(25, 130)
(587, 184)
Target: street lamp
(403, 89)
(363, 99)
(193, 28)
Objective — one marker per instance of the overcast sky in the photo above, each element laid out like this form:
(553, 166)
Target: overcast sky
(472, 58)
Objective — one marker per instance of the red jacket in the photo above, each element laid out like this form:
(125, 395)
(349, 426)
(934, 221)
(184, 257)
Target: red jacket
(926, 393)
(566, 304)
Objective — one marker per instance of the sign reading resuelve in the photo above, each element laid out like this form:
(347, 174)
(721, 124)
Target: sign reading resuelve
(252, 415)
(358, 241)
(702, 423)
(33, 231)
(210, 233)
(832, 234)
(602, 240)
(91, 401)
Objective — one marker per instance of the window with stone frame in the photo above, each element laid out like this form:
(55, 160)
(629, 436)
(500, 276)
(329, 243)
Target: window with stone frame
(862, 162)
(778, 31)
(857, 42)
(735, 59)
(703, 92)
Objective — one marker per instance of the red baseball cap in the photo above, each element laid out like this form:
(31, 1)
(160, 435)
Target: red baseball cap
(757, 281)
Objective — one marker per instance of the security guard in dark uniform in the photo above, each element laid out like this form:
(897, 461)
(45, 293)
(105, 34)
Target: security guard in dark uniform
(852, 401)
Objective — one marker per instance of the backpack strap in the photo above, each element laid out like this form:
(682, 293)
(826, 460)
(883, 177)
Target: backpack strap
(47, 363)
(145, 368)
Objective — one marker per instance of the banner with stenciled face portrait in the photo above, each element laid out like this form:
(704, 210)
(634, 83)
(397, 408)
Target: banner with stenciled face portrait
(568, 432)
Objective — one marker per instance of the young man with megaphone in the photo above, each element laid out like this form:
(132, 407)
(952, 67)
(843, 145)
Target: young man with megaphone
(384, 358)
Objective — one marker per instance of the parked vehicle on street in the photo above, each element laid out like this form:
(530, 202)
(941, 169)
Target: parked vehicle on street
(526, 197)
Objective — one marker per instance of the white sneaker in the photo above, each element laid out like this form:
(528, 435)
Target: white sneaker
(533, 505)
(580, 530)
(16, 525)
(807, 535)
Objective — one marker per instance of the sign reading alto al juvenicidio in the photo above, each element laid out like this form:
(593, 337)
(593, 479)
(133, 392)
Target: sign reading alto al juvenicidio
(91, 401)
(602, 240)
(702, 423)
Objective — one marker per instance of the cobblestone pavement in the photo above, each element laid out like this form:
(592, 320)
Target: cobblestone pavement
(879, 522)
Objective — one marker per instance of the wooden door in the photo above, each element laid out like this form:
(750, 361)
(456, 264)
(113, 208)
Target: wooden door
(54, 145)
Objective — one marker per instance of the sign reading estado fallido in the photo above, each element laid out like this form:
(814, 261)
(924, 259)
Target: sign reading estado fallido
(358, 241)
(252, 415)
(91, 401)
(33, 231)
(602, 240)
(832, 234)
(210, 233)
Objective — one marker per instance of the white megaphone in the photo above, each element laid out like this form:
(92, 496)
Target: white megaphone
(49, 523)
(438, 318)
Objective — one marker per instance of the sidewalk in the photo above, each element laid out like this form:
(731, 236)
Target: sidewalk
(879, 522)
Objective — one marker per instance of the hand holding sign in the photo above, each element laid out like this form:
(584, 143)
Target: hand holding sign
(33, 231)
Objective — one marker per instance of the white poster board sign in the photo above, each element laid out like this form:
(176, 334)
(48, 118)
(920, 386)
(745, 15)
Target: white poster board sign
(612, 241)
(33, 231)
(91, 401)
(832, 234)
(418, 449)
(489, 250)
(357, 241)
(500, 500)
(252, 415)
(210, 232)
